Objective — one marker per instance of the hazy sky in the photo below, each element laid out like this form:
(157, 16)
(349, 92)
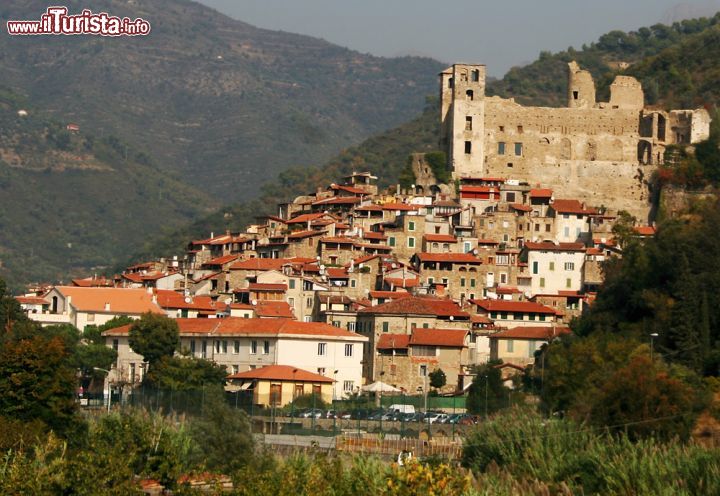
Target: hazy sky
(499, 34)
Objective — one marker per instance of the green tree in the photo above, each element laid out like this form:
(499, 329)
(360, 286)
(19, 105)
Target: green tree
(93, 333)
(223, 442)
(437, 378)
(154, 337)
(185, 374)
(487, 392)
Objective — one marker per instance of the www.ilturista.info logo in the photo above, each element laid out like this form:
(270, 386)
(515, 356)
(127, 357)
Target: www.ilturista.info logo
(56, 20)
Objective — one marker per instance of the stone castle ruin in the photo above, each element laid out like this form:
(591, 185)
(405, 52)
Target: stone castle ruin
(603, 153)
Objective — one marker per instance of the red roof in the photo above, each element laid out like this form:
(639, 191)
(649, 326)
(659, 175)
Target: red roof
(338, 240)
(337, 273)
(521, 207)
(571, 207)
(644, 230)
(478, 189)
(448, 257)
(531, 332)
(281, 373)
(541, 193)
(374, 235)
(371, 208)
(305, 234)
(267, 263)
(349, 189)
(440, 238)
(221, 260)
(389, 294)
(482, 241)
(110, 300)
(438, 337)
(237, 326)
(393, 342)
(304, 218)
(416, 305)
(172, 299)
(512, 306)
(31, 300)
(274, 309)
(550, 246)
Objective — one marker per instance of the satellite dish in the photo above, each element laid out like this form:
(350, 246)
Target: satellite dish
(253, 302)
(393, 265)
(475, 252)
(452, 318)
(188, 299)
(228, 300)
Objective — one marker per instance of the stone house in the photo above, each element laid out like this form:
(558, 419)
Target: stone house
(518, 345)
(507, 313)
(405, 361)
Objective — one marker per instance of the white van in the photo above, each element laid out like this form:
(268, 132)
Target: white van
(402, 408)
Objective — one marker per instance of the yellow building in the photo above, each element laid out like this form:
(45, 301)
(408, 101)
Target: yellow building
(278, 385)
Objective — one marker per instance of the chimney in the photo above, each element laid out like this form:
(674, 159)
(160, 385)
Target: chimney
(439, 290)
(107, 306)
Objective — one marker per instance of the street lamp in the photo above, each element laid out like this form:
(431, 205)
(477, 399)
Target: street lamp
(487, 380)
(107, 378)
(652, 344)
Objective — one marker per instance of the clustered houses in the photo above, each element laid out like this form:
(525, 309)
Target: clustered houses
(348, 286)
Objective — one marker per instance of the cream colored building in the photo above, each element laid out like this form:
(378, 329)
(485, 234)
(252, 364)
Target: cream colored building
(82, 306)
(519, 344)
(554, 267)
(279, 385)
(244, 344)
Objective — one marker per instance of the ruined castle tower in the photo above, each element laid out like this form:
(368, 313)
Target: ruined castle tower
(462, 121)
(603, 153)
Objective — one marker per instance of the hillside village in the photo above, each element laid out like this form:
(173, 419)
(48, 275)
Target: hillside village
(350, 285)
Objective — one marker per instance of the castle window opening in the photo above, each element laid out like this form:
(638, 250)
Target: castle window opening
(519, 129)
(502, 129)
(470, 95)
(518, 149)
(575, 95)
(450, 82)
(510, 165)
(468, 123)
(468, 147)
(501, 148)
(475, 75)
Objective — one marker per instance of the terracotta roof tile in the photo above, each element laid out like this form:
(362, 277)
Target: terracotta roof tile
(550, 246)
(416, 305)
(439, 337)
(172, 299)
(541, 193)
(110, 300)
(393, 342)
(259, 286)
(274, 309)
(571, 207)
(221, 260)
(281, 373)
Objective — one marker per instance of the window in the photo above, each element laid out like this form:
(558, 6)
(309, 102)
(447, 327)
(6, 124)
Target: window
(472, 283)
(309, 302)
(423, 370)
(91, 317)
(236, 347)
(353, 283)
(235, 369)
(351, 326)
(253, 347)
(552, 266)
(503, 315)
(535, 267)
(445, 281)
(509, 345)
(501, 148)
(503, 278)
(520, 129)
(266, 347)
(411, 225)
(291, 284)
(462, 282)
(518, 316)
(386, 326)
(469, 95)
(566, 231)
(542, 317)
(291, 302)
(348, 386)
(510, 196)
(569, 265)
(468, 147)
(532, 316)
(537, 227)
(532, 346)
(468, 123)
(547, 227)
(322, 349)
(116, 344)
(391, 241)
(568, 283)
(518, 149)
(467, 246)
(321, 370)
(475, 75)
(411, 242)
(575, 95)
(542, 282)
(217, 346)
(307, 318)
(348, 350)
(204, 349)
(224, 346)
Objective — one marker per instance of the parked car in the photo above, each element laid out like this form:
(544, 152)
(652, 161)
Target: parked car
(312, 412)
(432, 417)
